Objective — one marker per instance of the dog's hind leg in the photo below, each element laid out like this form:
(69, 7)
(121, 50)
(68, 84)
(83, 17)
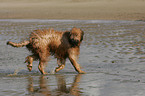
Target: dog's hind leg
(29, 60)
(43, 61)
(61, 64)
(41, 66)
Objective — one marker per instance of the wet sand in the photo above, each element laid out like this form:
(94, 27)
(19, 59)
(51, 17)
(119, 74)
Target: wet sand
(73, 9)
(112, 54)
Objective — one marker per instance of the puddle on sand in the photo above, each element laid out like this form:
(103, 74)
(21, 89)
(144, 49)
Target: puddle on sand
(112, 54)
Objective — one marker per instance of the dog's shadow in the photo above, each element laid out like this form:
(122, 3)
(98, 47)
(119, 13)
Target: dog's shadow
(62, 89)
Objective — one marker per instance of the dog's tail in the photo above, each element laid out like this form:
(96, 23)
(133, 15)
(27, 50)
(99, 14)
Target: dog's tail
(21, 44)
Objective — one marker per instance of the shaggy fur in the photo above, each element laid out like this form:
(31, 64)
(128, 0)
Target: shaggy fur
(62, 45)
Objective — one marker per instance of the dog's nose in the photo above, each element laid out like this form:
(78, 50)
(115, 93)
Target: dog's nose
(75, 42)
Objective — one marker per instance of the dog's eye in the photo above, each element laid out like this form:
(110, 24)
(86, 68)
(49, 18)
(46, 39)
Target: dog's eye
(75, 34)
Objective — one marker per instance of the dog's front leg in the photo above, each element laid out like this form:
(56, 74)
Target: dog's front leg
(72, 59)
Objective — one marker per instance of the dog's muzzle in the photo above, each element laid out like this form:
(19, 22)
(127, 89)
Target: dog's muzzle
(74, 42)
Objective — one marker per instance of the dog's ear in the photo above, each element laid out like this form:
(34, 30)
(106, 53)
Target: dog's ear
(82, 35)
(67, 34)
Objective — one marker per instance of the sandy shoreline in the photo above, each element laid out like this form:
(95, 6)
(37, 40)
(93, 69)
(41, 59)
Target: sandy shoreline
(112, 54)
(73, 9)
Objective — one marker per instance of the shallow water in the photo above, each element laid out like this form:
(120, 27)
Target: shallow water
(112, 54)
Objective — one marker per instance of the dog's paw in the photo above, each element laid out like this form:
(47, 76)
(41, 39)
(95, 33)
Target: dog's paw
(82, 72)
(29, 67)
(52, 71)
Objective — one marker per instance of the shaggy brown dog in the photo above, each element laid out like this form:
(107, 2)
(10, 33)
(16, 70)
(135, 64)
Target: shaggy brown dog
(62, 45)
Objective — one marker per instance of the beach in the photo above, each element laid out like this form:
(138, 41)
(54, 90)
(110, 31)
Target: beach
(111, 53)
(73, 9)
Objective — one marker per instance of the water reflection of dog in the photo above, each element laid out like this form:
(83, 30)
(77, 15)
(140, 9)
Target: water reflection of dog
(62, 89)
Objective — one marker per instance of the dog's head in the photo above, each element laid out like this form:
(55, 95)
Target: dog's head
(76, 36)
